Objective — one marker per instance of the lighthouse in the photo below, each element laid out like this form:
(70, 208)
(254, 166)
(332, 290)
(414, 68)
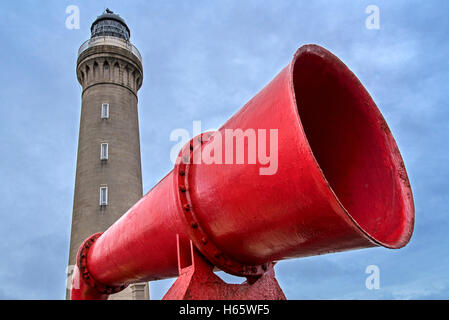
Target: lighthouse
(108, 169)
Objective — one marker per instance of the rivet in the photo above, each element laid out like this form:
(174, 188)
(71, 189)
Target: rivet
(182, 188)
(204, 240)
(217, 254)
(182, 173)
(186, 207)
(229, 263)
(194, 225)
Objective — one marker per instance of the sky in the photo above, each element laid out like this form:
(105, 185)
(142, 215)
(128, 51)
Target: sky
(203, 60)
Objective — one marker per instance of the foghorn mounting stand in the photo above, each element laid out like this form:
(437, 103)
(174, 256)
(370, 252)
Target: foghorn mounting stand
(198, 281)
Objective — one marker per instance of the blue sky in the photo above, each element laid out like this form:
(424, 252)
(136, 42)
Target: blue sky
(203, 60)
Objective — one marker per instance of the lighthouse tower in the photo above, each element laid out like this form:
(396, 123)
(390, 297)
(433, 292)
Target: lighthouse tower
(108, 171)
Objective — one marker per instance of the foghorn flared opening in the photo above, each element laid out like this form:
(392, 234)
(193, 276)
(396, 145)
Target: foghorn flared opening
(353, 146)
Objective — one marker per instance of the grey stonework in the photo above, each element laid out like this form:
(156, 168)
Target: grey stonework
(108, 74)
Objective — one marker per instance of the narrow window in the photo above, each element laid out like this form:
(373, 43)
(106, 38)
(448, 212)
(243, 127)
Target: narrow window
(103, 196)
(104, 151)
(105, 111)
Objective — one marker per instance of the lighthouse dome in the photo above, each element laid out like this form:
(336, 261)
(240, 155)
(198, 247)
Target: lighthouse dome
(110, 24)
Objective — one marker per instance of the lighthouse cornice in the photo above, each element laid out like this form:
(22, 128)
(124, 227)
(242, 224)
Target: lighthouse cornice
(109, 64)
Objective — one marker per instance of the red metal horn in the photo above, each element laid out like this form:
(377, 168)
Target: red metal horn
(332, 179)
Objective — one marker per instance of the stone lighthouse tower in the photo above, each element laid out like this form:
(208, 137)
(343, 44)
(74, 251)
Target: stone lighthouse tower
(108, 171)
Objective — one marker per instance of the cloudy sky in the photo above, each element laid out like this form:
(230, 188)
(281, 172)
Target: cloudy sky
(203, 60)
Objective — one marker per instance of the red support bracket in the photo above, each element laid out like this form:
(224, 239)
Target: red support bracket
(198, 281)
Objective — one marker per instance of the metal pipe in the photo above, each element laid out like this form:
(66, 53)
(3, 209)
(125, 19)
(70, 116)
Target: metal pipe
(327, 177)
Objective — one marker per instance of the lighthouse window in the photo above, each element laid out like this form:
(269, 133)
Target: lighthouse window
(103, 196)
(105, 111)
(104, 151)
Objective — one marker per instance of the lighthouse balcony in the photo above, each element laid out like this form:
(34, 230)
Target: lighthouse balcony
(110, 40)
